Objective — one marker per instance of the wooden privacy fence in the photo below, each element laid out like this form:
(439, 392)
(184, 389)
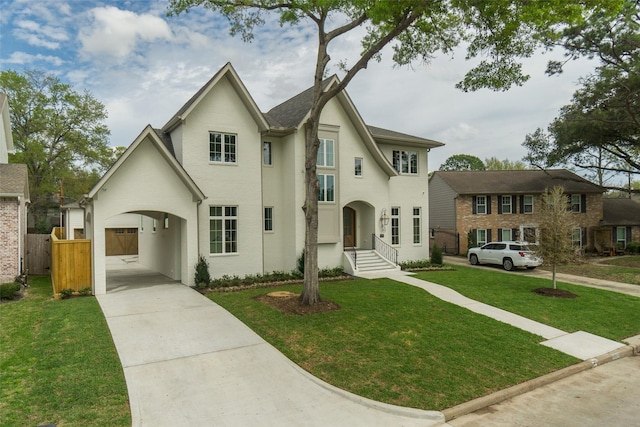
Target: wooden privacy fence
(70, 263)
(38, 254)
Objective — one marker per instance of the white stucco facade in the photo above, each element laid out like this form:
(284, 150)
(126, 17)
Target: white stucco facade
(204, 175)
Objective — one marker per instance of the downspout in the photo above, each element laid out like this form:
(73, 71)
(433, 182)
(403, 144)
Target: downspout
(19, 254)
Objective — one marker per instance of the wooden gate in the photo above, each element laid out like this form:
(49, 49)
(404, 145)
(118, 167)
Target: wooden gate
(71, 263)
(37, 254)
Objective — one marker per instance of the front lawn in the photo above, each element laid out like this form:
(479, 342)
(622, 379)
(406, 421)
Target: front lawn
(58, 364)
(609, 314)
(618, 269)
(398, 344)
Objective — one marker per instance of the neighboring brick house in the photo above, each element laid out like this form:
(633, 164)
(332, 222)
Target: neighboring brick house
(504, 205)
(620, 224)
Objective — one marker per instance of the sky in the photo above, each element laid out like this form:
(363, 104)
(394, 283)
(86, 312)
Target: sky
(144, 65)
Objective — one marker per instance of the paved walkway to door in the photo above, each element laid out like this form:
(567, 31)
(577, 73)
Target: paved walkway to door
(189, 362)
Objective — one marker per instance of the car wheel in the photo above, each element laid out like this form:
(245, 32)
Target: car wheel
(473, 259)
(507, 264)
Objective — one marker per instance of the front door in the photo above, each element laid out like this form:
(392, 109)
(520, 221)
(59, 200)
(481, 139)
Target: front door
(349, 227)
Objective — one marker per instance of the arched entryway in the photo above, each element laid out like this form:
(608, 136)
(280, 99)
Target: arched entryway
(358, 225)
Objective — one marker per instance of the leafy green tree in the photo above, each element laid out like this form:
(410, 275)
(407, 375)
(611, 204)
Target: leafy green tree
(501, 30)
(493, 164)
(463, 162)
(600, 130)
(58, 133)
(556, 229)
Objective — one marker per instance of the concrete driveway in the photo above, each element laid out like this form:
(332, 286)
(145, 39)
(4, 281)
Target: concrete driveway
(188, 362)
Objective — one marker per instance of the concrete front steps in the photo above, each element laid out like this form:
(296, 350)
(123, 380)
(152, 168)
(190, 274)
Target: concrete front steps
(367, 261)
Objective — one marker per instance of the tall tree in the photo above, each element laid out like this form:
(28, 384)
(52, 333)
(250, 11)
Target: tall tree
(600, 130)
(494, 164)
(463, 162)
(58, 133)
(503, 30)
(556, 230)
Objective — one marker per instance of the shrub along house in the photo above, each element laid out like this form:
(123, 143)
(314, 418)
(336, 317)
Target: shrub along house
(481, 206)
(225, 180)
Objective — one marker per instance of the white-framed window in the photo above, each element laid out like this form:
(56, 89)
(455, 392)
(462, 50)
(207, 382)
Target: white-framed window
(395, 225)
(481, 237)
(576, 237)
(327, 188)
(621, 237)
(405, 162)
(222, 147)
(529, 234)
(575, 203)
(505, 234)
(481, 205)
(268, 219)
(326, 156)
(507, 205)
(165, 223)
(223, 229)
(527, 204)
(357, 166)
(417, 226)
(266, 153)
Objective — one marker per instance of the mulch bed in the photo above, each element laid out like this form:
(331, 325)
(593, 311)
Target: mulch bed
(555, 293)
(289, 303)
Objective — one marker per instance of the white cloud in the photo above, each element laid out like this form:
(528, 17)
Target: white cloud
(117, 33)
(23, 58)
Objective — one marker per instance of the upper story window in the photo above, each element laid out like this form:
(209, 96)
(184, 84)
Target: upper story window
(527, 204)
(222, 147)
(481, 204)
(357, 166)
(326, 156)
(506, 204)
(327, 188)
(405, 162)
(266, 153)
(575, 201)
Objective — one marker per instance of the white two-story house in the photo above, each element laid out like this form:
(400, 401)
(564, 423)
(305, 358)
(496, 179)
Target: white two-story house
(224, 180)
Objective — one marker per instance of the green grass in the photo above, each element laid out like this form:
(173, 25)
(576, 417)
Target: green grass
(619, 269)
(398, 344)
(58, 364)
(609, 314)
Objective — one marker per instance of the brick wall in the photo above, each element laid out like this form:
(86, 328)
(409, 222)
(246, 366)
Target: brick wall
(466, 220)
(9, 260)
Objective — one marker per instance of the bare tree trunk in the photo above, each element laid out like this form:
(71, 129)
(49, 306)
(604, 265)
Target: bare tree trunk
(553, 275)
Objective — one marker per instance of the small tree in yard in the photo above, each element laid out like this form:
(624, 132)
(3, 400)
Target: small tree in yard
(501, 30)
(556, 228)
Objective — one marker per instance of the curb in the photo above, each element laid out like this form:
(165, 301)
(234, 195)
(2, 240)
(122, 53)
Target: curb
(499, 396)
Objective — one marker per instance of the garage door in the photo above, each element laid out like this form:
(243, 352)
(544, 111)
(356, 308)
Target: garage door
(121, 241)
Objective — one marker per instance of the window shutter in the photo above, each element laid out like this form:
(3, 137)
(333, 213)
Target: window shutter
(584, 236)
(514, 233)
(473, 205)
(521, 204)
(499, 205)
(499, 234)
(583, 203)
(629, 235)
(514, 204)
(488, 235)
(614, 236)
(488, 205)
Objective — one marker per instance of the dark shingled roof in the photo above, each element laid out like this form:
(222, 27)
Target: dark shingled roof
(516, 181)
(166, 140)
(620, 212)
(14, 179)
(290, 113)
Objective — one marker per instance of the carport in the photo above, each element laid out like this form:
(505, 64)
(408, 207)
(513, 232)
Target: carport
(148, 180)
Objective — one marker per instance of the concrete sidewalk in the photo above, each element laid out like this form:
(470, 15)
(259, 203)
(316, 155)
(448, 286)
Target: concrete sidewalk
(188, 362)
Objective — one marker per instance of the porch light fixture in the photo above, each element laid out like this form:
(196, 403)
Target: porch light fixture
(384, 218)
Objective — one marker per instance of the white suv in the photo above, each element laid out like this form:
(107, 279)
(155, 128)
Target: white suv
(507, 254)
